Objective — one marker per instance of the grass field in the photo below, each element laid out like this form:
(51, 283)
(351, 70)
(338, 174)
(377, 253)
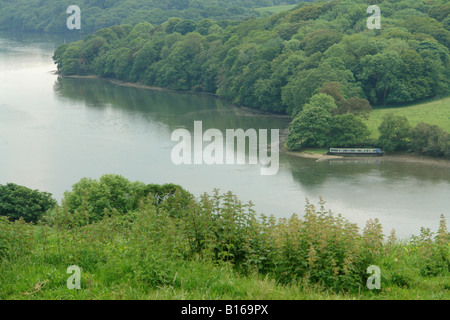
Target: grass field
(44, 277)
(111, 269)
(435, 112)
(275, 9)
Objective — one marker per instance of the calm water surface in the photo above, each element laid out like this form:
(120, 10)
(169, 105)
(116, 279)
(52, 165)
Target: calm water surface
(55, 131)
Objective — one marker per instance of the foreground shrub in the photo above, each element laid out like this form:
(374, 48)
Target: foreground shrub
(15, 238)
(322, 248)
(148, 246)
(91, 197)
(223, 228)
(435, 255)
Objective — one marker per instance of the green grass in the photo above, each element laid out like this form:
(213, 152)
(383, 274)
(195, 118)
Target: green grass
(435, 112)
(275, 9)
(193, 280)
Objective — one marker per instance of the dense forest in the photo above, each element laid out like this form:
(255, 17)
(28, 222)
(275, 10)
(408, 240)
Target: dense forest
(318, 63)
(51, 16)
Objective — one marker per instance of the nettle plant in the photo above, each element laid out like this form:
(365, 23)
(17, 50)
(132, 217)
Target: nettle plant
(324, 248)
(16, 238)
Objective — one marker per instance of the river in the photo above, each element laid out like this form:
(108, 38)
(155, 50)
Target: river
(55, 131)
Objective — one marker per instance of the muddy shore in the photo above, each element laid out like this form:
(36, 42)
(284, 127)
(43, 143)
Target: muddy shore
(398, 157)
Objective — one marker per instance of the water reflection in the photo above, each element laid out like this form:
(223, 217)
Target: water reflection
(174, 109)
(310, 173)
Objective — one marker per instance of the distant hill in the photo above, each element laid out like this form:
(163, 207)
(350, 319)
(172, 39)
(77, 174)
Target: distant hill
(51, 16)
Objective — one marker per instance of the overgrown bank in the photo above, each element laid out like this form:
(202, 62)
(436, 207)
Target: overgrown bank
(317, 63)
(147, 241)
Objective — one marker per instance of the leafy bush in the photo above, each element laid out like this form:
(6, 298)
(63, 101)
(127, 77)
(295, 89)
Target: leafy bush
(394, 132)
(322, 248)
(169, 197)
(430, 140)
(435, 254)
(21, 202)
(15, 238)
(92, 198)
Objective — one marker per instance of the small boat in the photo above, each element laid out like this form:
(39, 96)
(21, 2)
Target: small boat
(355, 151)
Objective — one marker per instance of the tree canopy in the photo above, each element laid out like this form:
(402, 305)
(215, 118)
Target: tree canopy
(51, 16)
(278, 63)
(18, 202)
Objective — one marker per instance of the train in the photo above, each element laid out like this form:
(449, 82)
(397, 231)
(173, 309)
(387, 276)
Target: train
(355, 151)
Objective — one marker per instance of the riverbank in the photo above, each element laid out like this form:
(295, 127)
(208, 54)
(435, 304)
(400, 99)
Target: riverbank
(398, 157)
(246, 109)
(321, 155)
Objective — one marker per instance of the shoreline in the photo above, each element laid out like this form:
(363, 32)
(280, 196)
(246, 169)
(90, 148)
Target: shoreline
(398, 157)
(162, 89)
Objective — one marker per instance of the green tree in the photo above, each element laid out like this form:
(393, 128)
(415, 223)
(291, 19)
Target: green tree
(428, 26)
(21, 202)
(306, 13)
(381, 76)
(348, 130)
(73, 60)
(204, 26)
(334, 89)
(171, 198)
(430, 140)
(417, 81)
(93, 196)
(305, 83)
(322, 100)
(142, 30)
(311, 126)
(144, 58)
(394, 132)
(185, 27)
(320, 40)
(356, 106)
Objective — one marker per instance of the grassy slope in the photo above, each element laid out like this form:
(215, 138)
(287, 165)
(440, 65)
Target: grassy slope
(435, 112)
(217, 285)
(43, 276)
(195, 281)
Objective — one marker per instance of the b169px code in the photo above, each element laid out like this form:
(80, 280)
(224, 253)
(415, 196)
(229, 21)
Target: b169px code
(246, 309)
